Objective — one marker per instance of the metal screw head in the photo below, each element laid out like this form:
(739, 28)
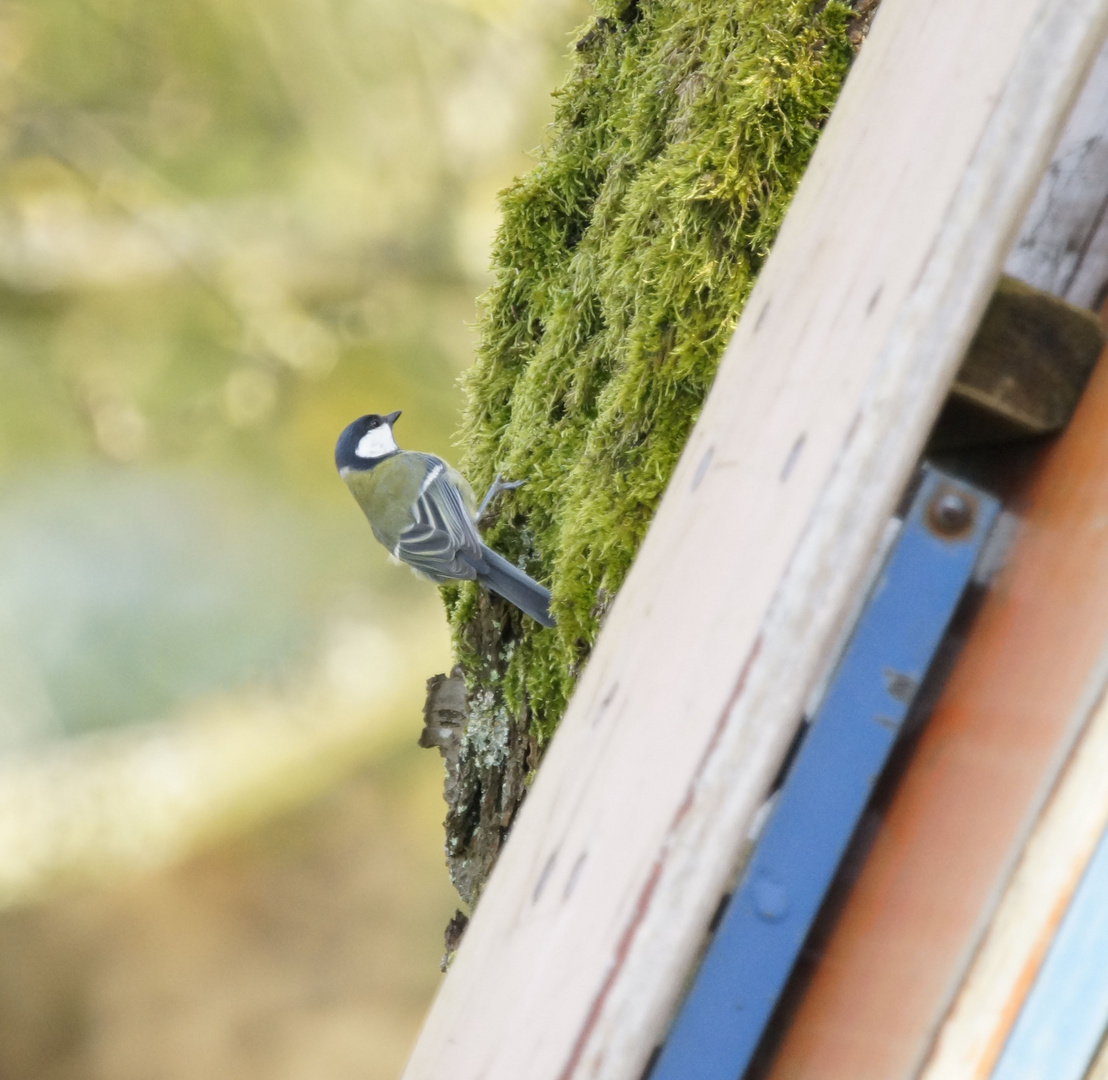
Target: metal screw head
(950, 513)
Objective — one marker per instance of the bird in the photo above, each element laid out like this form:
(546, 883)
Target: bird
(424, 513)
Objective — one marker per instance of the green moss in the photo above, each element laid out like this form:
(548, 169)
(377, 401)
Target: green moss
(622, 264)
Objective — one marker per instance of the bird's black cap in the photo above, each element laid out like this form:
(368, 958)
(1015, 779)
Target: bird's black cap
(354, 451)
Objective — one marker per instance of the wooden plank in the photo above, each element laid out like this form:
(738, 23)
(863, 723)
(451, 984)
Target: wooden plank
(1031, 910)
(577, 952)
(1023, 685)
(1025, 370)
(1062, 250)
(1063, 244)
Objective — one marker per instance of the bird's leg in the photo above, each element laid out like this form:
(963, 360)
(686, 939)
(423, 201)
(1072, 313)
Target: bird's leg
(497, 486)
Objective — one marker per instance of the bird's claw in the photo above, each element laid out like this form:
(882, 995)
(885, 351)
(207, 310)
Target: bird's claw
(495, 488)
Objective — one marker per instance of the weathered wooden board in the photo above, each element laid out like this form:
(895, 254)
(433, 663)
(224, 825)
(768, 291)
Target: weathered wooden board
(1063, 244)
(1025, 370)
(860, 1018)
(1062, 250)
(574, 961)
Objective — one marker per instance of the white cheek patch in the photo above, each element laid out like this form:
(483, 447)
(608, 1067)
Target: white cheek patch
(376, 443)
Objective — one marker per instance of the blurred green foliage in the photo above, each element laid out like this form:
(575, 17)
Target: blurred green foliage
(120, 625)
(227, 227)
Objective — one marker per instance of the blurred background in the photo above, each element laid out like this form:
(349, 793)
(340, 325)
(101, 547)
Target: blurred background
(227, 227)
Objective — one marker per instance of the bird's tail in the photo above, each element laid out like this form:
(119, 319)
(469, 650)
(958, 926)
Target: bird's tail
(514, 585)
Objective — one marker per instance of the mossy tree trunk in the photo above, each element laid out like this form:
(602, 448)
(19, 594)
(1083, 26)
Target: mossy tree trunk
(622, 264)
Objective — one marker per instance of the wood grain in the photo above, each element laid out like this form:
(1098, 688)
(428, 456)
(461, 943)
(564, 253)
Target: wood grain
(1063, 243)
(574, 961)
(1025, 371)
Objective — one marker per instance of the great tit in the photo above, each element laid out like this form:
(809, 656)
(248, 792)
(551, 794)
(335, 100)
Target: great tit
(425, 514)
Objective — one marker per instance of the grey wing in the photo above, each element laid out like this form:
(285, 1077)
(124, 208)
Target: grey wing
(442, 531)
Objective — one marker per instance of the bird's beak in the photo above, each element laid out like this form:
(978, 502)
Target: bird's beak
(392, 417)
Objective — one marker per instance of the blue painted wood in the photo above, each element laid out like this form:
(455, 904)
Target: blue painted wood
(1060, 1027)
(817, 809)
